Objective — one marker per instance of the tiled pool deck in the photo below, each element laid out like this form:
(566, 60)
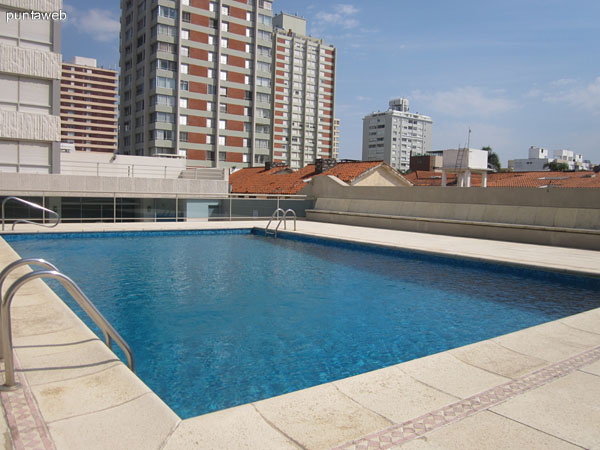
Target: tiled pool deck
(535, 388)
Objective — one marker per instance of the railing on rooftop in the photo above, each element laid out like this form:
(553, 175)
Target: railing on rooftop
(30, 205)
(159, 207)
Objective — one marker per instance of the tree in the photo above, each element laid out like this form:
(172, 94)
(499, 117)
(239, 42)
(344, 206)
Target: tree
(493, 159)
(556, 166)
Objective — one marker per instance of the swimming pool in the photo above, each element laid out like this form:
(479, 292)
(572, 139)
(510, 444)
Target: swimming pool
(216, 320)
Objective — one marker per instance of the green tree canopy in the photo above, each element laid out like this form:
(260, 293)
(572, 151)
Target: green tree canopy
(493, 159)
(556, 166)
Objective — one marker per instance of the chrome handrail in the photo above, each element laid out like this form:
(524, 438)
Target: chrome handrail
(276, 213)
(12, 266)
(33, 205)
(110, 333)
(285, 222)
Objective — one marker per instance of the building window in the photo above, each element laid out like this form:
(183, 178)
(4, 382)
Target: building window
(183, 119)
(186, 17)
(223, 75)
(223, 107)
(221, 140)
(222, 124)
(225, 10)
(184, 85)
(183, 102)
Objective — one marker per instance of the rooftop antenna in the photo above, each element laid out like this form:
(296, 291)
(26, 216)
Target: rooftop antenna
(469, 139)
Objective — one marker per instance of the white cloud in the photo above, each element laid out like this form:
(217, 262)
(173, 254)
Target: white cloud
(101, 24)
(578, 95)
(342, 15)
(464, 101)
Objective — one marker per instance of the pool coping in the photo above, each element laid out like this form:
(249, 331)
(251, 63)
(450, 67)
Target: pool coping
(291, 420)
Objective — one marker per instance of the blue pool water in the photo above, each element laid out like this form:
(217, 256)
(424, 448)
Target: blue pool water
(218, 320)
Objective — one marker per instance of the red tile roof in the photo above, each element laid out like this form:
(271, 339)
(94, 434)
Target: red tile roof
(281, 180)
(513, 179)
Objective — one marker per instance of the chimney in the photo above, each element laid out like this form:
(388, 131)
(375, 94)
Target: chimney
(323, 165)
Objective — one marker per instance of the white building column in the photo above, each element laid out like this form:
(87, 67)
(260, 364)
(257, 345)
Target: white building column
(484, 179)
(444, 178)
(468, 178)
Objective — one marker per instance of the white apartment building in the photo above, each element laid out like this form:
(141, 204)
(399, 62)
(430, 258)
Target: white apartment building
(396, 134)
(539, 158)
(304, 80)
(30, 71)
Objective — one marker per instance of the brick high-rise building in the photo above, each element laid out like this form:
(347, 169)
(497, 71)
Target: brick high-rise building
(88, 100)
(303, 128)
(196, 80)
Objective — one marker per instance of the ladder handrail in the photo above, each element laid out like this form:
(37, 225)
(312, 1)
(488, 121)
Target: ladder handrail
(275, 213)
(22, 262)
(33, 205)
(284, 220)
(7, 346)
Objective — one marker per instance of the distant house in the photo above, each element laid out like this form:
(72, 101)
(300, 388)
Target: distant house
(513, 179)
(280, 179)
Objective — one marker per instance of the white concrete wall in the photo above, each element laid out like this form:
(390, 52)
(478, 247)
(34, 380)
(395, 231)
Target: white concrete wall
(91, 186)
(475, 159)
(103, 164)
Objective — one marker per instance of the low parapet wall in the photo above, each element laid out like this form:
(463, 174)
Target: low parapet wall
(561, 217)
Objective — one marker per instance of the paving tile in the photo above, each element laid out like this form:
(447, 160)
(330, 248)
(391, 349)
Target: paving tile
(73, 361)
(487, 431)
(143, 424)
(593, 368)
(552, 341)
(587, 321)
(490, 356)
(566, 408)
(393, 394)
(448, 374)
(110, 387)
(232, 429)
(320, 417)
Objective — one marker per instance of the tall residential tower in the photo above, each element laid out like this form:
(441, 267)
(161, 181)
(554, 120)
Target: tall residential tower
(304, 94)
(396, 134)
(88, 106)
(196, 80)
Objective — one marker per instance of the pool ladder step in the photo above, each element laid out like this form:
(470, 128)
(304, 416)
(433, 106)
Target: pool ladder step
(281, 215)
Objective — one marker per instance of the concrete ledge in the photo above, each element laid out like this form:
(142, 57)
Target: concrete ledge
(532, 234)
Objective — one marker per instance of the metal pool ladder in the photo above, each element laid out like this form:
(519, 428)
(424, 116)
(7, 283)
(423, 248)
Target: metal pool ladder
(281, 215)
(6, 348)
(32, 205)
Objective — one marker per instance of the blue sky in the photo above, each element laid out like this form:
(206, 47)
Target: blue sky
(517, 72)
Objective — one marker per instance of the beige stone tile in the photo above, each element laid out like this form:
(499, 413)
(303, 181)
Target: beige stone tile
(552, 341)
(5, 439)
(566, 408)
(41, 319)
(320, 417)
(143, 424)
(105, 389)
(448, 374)
(48, 343)
(236, 428)
(487, 431)
(71, 362)
(393, 394)
(593, 368)
(490, 356)
(587, 321)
